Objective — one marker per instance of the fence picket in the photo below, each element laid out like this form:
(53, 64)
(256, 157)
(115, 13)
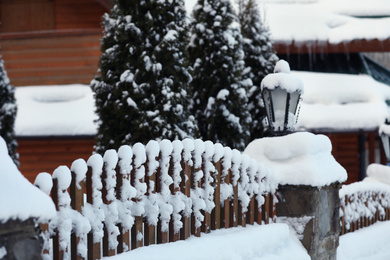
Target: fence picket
(186, 185)
(77, 186)
(137, 181)
(94, 200)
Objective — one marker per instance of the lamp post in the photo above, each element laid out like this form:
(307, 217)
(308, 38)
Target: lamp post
(384, 132)
(281, 92)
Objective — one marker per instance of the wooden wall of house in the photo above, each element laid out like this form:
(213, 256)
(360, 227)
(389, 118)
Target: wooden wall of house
(46, 154)
(52, 58)
(355, 151)
(45, 42)
(38, 15)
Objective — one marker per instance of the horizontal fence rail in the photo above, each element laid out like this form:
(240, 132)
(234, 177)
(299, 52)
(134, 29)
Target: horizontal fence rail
(363, 204)
(142, 195)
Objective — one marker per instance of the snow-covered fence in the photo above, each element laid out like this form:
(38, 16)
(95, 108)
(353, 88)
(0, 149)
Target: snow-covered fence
(158, 193)
(362, 204)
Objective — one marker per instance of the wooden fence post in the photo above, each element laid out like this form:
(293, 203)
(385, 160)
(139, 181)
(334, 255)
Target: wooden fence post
(123, 189)
(56, 239)
(216, 224)
(78, 170)
(44, 182)
(188, 147)
(137, 181)
(93, 187)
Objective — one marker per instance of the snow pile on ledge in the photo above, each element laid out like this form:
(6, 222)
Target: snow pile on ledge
(265, 242)
(298, 159)
(378, 172)
(19, 199)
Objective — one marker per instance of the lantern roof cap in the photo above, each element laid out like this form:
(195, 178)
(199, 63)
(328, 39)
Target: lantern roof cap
(286, 81)
(282, 66)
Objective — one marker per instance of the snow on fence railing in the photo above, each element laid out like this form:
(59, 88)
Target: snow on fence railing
(362, 204)
(158, 193)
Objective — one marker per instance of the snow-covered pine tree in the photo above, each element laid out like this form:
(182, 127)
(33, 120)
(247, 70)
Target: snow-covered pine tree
(220, 89)
(8, 110)
(142, 89)
(259, 57)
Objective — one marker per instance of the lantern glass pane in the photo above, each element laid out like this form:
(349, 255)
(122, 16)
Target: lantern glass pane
(386, 146)
(268, 106)
(292, 110)
(279, 100)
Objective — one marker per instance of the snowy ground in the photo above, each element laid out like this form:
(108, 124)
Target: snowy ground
(268, 242)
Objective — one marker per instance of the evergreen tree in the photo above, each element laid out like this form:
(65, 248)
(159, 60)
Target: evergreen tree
(8, 113)
(220, 89)
(142, 89)
(259, 57)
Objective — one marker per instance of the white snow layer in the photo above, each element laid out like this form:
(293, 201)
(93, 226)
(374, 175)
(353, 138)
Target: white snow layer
(19, 199)
(299, 159)
(264, 242)
(369, 243)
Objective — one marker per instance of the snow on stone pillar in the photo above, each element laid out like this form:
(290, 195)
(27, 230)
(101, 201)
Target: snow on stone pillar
(309, 180)
(22, 207)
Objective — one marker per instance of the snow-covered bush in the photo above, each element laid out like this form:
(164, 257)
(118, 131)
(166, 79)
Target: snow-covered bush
(8, 113)
(142, 91)
(220, 88)
(260, 59)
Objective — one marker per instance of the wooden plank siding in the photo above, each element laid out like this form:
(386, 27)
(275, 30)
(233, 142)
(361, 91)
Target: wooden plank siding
(66, 57)
(46, 42)
(345, 149)
(355, 151)
(70, 14)
(40, 154)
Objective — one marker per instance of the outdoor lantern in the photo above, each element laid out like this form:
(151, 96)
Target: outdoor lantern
(281, 92)
(384, 132)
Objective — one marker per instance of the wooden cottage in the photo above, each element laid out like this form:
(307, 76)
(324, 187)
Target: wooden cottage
(46, 42)
(344, 41)
(53, 42)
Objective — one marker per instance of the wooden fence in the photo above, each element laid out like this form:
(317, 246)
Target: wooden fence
(363, 204)
(158, 193)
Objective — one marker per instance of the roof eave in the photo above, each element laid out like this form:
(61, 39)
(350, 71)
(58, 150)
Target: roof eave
(362, 45)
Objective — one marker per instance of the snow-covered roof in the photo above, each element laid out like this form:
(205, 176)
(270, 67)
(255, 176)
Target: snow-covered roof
(19, 199)
(327, 20)
(55, 110)
(342, 102)
(332, 21)
(330, 102)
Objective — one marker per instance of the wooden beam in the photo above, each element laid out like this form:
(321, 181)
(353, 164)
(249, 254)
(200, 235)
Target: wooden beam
(361, 45)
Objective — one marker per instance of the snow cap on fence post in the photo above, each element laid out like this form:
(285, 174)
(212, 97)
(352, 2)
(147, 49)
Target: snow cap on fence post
(80, 168)
(300, 158)
(44, 182)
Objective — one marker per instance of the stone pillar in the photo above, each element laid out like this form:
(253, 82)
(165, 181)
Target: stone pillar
(314, 213)
(20, 240)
